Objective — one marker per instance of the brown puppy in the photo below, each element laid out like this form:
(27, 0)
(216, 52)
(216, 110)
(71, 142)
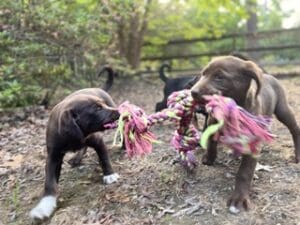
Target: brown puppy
(111, 74)
(258, 93)
(73, 124)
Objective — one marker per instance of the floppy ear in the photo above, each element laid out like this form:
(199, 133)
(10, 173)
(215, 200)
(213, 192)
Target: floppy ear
(253, 71)
(68, 126)
(101, 104)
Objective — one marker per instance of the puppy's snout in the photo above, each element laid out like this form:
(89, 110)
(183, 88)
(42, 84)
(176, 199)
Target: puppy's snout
(198, 93)
(195, 94)
(115, 114)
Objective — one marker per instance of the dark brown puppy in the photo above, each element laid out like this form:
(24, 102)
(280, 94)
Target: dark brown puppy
(177, 84)
(172, 85)
(111, 74)
(73, 124)
(258, 93)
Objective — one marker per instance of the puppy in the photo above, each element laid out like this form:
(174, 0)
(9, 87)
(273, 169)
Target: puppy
(111, 74)
(180, 83)
(172, 85)
(260, 94)
(177, 84)
(73, 124)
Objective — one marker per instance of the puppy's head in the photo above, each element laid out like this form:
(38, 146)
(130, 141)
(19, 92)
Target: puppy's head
(88, 113)
(102, 114)
(228, 76)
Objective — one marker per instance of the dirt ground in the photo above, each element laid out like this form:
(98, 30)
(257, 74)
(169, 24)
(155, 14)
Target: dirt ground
(152, 190)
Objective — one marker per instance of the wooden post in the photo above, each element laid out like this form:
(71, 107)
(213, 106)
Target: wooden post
(251, 40)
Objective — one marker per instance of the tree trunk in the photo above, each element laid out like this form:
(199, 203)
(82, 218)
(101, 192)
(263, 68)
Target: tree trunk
(131, 36)
(121, 38)
(251, 40)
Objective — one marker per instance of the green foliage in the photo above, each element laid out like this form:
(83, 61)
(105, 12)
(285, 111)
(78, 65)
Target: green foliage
(213, 18)
(51, 44)
(270, 16)
(14, 94)
(26, 72)
(192, 19)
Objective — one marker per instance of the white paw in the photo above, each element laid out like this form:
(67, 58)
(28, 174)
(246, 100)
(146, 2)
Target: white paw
(233, 209)
(111, 178)
(263, 167)
(44, 209)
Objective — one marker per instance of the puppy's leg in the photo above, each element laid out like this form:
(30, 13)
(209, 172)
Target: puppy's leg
(76, 160)
(205, 125)
(285, 115)
(210, 156)
(47, 204)
(195, 121)
(95, 141)
(240, 196)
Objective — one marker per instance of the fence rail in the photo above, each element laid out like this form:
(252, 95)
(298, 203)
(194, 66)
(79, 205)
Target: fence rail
(261, 34)
(233, 45)
(225, 52)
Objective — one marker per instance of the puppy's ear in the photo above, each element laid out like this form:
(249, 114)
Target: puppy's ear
(253, 71)
(101, 104)
(68, 126)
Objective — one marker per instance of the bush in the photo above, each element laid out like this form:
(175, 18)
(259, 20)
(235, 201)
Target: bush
(14, 94)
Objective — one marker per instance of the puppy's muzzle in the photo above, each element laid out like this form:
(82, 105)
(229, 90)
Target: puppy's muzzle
(198, 94)
(115, 114)
(195, 94)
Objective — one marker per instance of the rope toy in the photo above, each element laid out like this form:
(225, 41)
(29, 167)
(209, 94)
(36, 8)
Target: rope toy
(234, 127)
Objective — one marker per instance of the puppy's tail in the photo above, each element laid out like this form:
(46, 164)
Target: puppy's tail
(110, 77)
(162, 74)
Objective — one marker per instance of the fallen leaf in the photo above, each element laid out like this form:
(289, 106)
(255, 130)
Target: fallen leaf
(117, 197)
(14, 162)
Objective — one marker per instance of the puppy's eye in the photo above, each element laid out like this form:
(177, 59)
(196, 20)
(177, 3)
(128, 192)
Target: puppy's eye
(218, 77)
(98, 107)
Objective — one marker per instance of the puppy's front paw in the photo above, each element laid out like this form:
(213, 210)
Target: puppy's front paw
(238, 201)
(111, 178)
(206, 160)
(233, 209)
(44, 208)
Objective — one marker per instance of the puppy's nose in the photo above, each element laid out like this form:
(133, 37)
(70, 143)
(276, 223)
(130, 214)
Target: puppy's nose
(115, 115)
(195, 94)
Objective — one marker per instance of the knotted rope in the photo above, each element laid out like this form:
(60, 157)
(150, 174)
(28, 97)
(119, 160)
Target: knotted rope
(234, 127)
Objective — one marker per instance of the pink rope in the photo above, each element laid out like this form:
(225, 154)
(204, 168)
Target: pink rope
(241, 131)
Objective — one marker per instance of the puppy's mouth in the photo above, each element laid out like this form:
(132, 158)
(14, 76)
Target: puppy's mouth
(201, 100)
(111, 118)
(200, 97)
(201, 109)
